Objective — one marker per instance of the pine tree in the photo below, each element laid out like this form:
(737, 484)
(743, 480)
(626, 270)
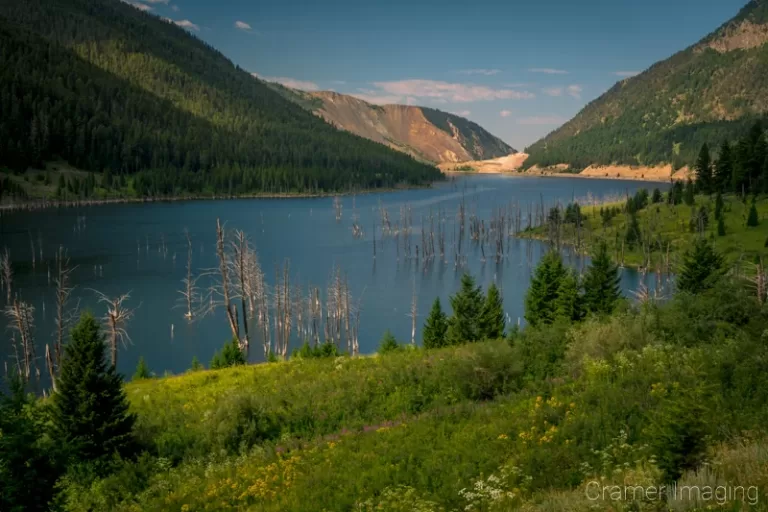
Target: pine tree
(724, 168)
(89, 414)
(719, 205)
(142, 370)
(703, 170)
(721, 226)
(466, 306)
(689, 196)
(676, 193)
(492, 321)
(231, 355)
(702, 267)
(752, 219)
(601, 283)
(541, 299)
(388, 343)
(632, 236)
(196, 365)
(568, 303)
(435, 327)
(656, 197)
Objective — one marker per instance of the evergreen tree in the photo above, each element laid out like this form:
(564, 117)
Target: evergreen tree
(656, 197)
(752, 219)
(703, 170)
(231, 355)
(142, 370)
(466, 305)
(90, 417)
(601, 283)
(702, 267)
(388, 343)
(721, 226)
(719, 205)
(196, 365)
(689, 196)
(542, 299)
(435, 327)
(27, 469)
(676, 193)
(568, 303)
(492, 321)
(724, 168)
(632, 236)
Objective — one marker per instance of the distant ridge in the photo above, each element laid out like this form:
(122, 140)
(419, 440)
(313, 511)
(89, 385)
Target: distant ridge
(712, 91)
(425, 133)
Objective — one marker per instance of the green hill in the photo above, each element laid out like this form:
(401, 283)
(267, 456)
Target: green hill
(709, 92)
(103, 86)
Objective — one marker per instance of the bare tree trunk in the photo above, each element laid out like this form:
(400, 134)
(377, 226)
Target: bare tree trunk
(63, 315)
(6, 272)
(414, 305)
(116, 319)
(224, 270)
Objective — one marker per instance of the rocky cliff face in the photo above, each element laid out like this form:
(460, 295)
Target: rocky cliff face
(426, 134)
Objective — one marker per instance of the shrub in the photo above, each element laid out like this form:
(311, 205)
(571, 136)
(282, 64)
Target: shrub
(230, 355)
(388, 343)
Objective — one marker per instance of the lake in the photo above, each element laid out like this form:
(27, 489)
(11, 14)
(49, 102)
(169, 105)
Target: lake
(142, 249)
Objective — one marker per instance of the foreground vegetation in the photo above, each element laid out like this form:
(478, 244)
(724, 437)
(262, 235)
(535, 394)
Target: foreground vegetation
(594, 389)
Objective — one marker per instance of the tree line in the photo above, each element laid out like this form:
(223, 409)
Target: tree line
(124, 94)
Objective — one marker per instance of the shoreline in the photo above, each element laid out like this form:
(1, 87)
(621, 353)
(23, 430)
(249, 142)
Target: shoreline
(46, 204)
(519, 174)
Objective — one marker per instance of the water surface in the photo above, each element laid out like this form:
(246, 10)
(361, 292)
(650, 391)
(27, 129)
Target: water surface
(141, 249)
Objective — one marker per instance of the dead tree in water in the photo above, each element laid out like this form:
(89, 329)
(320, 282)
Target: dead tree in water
(190, 294)
(245, 267)
(64, 315)
(116, 319)
(22, 322)
(223, 290)
(6, 273)
(337, 208)
(413, 314)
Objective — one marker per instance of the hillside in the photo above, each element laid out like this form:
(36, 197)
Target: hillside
(711, 91)
(426, 134)
(108, 88)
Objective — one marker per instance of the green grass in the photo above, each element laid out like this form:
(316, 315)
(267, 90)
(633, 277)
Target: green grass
(495, 425)
(668, 226)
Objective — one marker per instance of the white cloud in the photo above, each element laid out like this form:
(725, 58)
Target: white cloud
(541, 120)
(486, 72)
(293, 83)
(626, 74)
(439, 91)
(553, 91)
(377, 98)
(575, 91)
(187, 24)
(156, 1)
(141, 7)
(175, 8)
(505, 113)
(463, 113)
(242, 25)
(548, 71)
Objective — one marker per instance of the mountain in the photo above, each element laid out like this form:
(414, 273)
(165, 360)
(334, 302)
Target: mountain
(709, 92)
(111, 89)
(426, 134)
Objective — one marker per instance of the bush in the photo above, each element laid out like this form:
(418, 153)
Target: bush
(230, 355)
(388, 343)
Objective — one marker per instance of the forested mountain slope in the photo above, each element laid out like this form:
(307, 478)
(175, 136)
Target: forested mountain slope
(709, 92)
(425, 133)
(106, 87)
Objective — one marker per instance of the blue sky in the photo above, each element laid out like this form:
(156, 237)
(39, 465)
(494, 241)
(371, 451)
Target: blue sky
(518, 68)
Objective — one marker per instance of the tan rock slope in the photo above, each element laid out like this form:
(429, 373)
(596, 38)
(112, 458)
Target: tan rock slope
(426, 134)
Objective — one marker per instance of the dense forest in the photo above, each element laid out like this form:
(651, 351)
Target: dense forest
(110, 89)
(709, 92)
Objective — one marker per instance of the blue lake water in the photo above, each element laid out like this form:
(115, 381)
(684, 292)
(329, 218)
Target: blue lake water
(141, 249)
